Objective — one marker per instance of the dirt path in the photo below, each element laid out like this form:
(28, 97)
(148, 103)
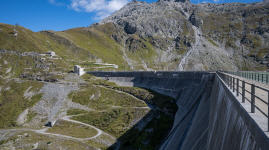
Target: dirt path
(130, 107)
(99, 131)
(66, 118)
(118, 91)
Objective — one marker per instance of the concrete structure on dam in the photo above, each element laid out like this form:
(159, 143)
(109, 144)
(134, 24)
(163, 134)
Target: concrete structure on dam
(209, 116)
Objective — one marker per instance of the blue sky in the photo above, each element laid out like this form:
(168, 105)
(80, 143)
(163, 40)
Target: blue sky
(60, 15)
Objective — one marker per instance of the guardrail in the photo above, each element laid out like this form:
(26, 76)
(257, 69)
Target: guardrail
(239, 87)
(262, 77)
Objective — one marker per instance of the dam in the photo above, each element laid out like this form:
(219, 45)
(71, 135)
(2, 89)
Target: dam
(209, 116)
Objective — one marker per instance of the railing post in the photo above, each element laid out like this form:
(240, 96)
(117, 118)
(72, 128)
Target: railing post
(262, 77)
(266, 78)
(243, 91)
(226, 79)
(229, 81)
(237, 87)
(268, 112)
(233, 84)
(252, 98)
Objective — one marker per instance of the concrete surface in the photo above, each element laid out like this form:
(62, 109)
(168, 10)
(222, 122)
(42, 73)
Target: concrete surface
(209, 116)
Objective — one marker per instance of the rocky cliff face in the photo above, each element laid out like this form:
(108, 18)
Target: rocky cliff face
(184, 36)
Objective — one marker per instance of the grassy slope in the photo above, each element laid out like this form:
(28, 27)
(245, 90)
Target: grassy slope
(12, 101)
(114, 121)
(44, 142)
(79, 43)
(72, 129)
(148, 96)
(103, 98)
(97, 42)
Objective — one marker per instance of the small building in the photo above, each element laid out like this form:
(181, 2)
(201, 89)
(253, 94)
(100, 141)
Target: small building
(51, 53)
(78, 70)
(50, 124)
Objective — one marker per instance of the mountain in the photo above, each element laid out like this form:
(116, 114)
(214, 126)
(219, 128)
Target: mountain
(196, 37)
(165, 35)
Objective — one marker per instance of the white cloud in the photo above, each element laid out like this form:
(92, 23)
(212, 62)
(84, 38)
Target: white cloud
(52, 1)
(216, 0)
(102, 8)
(57, 2)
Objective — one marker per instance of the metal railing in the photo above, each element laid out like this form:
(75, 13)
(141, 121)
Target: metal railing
(240, 88)
(262, 77)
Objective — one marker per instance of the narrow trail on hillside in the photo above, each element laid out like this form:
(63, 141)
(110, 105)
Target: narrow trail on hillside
(66, 118)
(118, 91)
(99, 131)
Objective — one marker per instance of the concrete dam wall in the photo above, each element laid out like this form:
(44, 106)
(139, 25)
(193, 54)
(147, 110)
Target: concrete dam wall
(209, 117)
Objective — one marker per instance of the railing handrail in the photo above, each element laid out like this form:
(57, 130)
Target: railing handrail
(233, 83)
(260, 76)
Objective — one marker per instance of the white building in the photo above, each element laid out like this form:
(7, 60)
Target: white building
(51, 53)
(78, 70)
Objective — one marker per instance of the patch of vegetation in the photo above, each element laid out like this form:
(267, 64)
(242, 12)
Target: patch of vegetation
(230, 43)
(101, 98)
(76, 112)
(101, 144)
(149, 96)
(97, 42)
(141, 50)
(30, 116)
(114, 121)
(97, 145)
(212, 42)
(263, 52)
(72, 129)
(12, 101)
(44, 142)
(31, 66)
